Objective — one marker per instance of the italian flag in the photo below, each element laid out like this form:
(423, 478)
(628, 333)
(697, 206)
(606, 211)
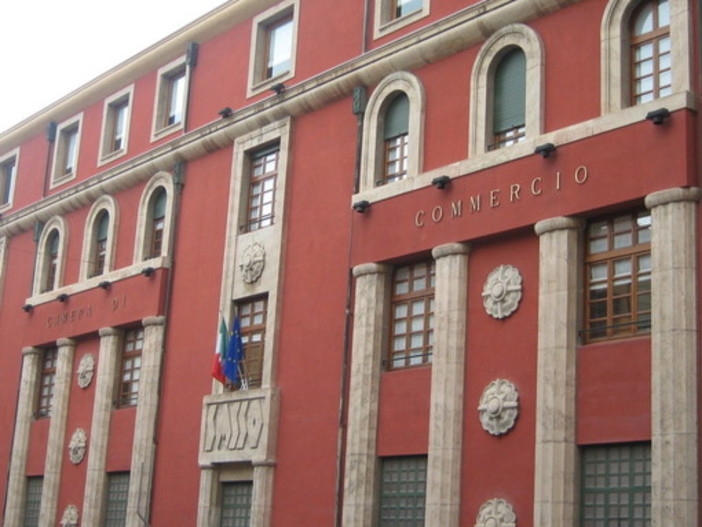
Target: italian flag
(220, 351)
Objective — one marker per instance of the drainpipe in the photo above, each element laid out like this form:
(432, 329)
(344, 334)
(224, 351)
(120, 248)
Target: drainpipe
(50, 137)
(190, 63)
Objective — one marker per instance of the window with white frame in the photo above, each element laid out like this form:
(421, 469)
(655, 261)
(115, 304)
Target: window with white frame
(98, 242)
(155, 218)
(67, 146)
(170, 105)
(8, 178)
(507, 95)
(394, 131)
(273, 46)
(115, 125)
(50, 258)
(391, 15)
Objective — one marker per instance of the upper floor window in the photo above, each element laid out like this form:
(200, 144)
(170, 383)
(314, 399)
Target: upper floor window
(171, 98)
(66, 150)
(273, 46)
(509, 100)
(99, 237)
(412, 315)
(116, 117)
(8, 176)
(157, 224)
(391, 15)
(618, 270)
(101, 233)
(155, 218)
(394, 124)
(47, 380)
(262, 183)
(651, 51)
(252, 319)
(130, 371)
(50, 259)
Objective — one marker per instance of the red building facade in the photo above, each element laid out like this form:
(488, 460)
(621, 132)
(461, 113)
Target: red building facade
(460, 241)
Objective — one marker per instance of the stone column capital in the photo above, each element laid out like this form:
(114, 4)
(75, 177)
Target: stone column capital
(370, 268)
(672, 195)
(30, 350)
(108, 332)
(450, 249)
(154, 321)
(558, 224)
(65, 343)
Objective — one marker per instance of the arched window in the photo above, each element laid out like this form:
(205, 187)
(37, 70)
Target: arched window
(396, 140)
(509, 100)
(102, 226)
(650, 51)
(51, 248)
(51, 261)
(155, 219)
(157, 223)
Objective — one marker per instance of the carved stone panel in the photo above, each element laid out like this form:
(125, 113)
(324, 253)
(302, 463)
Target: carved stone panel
(235, 427)
(77, 446)
(496, 513)
(499, 407)
(253, 261)
(502, 291)
(70, 516)
(86, 369)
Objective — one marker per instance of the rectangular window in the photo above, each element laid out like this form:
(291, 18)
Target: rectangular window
(403, 482)
(618, 276)
(412, 315)
(616, 485)
(278, 47)
(400, 8)
(236, 504)
(262, 184)
(171, 98)
(47, 380)
(252, 317)
(130, 373)
(175, 98)
(117, 494)
(391, 15)
(66, 150)
(8, 175)
(116, 117)
(32, 501)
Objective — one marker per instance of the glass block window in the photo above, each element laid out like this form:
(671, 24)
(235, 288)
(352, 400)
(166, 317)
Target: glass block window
(264, 172)
(402, 491)
(116, 503)
(412, 313)
(652, 73)
(236, 504)
(47, 380)
(32, 501)
(131, 367)
(618, 267)
(616, 485)
(252, 317)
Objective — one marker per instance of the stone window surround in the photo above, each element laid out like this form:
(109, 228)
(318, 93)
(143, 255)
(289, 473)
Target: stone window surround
(159, 180)
(373, 144)
(163, 75)
(257, 53)
(384, 24)
(60, 150)
(108, 204)
(57, 223)
(614, 54)
(106, 154)
(488, 58)
(12, 154)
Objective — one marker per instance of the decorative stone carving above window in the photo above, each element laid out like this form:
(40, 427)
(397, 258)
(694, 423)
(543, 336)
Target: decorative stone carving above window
(253, 261)
(77, 446)
(70, 516)
(496, 513)
(86, 369)
(502, 291)
(499, 407)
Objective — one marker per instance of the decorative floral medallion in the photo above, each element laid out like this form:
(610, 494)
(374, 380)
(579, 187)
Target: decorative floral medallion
(502, 291)
(253, 260)
(499, 407)
(86, 369)
(70, 517)
(496, 513)
(77, 446)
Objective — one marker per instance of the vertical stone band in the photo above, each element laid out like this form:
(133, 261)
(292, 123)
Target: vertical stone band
(447, 385)
(360, 497)
(674, 342)
(555, 495)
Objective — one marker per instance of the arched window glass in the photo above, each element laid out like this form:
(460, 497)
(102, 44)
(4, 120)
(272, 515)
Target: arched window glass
(651, 51)
(509, 100)
(396, 139)
(158, 222)
(52, 261)
(100, 243)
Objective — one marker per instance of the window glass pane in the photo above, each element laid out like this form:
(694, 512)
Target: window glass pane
(644, 20)
(279, 48)
(510, 92)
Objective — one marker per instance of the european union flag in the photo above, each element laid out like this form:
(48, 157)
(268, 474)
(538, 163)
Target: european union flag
(235, 354)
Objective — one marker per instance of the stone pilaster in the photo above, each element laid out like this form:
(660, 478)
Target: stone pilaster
(555, 485)
(144, 445)
(16, 485)
(369, 329)
(674, 341)
(55, 445)
(207, 498)
(447, 377)
(262, 498)
(96, 477)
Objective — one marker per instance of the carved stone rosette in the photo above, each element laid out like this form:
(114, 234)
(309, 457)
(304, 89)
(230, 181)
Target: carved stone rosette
(502, 291)
(70, 516)
(496, 513)
(86, 369)
(253, 261)
(499, 407)
(77, 446)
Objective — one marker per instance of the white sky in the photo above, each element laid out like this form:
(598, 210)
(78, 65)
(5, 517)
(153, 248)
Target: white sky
(48, 48)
